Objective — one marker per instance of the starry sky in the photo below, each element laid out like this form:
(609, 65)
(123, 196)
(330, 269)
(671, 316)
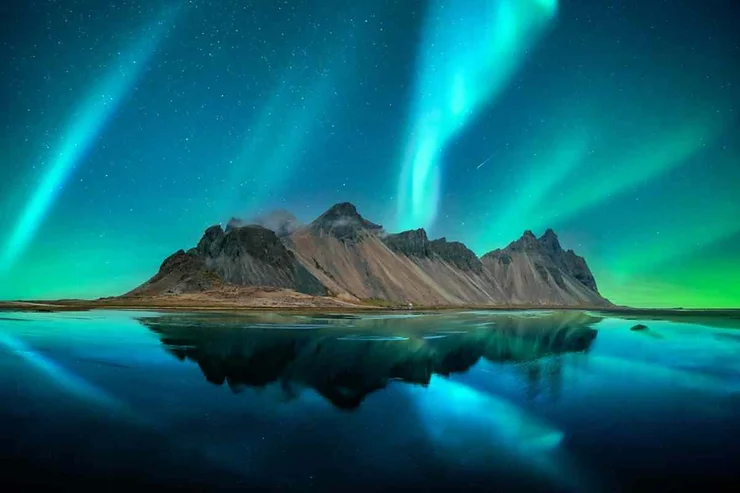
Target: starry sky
(130, 126)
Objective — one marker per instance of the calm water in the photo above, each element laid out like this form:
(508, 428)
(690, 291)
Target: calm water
(548, 401)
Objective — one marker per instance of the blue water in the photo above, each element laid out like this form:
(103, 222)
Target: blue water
(527, 401)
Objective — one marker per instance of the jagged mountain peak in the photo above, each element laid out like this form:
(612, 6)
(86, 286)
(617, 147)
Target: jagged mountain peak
(457, 254)
(548, 245)
(416, 244)
(412, 233)
(550, 242)
(343, 209)
(211, 235)
(528, 241)
(344, 222)
(548, 258)
(214, 231)
(549, 234)
(412, 243)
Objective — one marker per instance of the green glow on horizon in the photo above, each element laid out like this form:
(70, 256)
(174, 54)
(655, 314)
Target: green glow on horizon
(85, 272)
(471, 49)
(697, 283)
(666, 242)
(609, 175)
(83, 128)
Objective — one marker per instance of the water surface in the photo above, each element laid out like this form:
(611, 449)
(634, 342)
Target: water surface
(540, 401)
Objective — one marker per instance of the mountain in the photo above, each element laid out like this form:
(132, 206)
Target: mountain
(343, 255)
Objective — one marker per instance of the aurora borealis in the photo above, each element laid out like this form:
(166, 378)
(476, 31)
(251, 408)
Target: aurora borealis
(470, 50)
(83, 128)
(129, 127)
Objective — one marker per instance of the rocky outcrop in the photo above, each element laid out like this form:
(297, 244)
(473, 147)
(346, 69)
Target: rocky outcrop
(457, 254)
(344, 223)
(413, 243)
(567, 260)
(244, 256)
(180, 273)
(538, 271)
(255, 256)
(416, 244)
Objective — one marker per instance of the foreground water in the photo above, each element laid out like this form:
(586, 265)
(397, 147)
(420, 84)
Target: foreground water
(549, 401)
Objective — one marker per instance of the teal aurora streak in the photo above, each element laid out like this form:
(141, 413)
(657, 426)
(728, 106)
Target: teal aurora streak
(83, 128)
(471, 48)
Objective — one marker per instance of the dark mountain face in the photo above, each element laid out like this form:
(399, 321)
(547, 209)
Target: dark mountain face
(343, 222)
(527, 243)
(182, 272)
(255, 256)
(416, 244)
(457, 254)
(245, 256)
(567, 260)
(413, 243)
(550, 242)
(254, 241)
(549, 258)
(578, 268)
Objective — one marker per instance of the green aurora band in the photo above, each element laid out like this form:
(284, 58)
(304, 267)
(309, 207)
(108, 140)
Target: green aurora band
(84, 126)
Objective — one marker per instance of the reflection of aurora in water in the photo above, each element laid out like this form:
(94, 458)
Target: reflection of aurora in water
(66, 380)
(345, 366)
(459, 418)
(531, 402)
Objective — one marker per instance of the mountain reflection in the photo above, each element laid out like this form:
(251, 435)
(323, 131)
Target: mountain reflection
(345, 358)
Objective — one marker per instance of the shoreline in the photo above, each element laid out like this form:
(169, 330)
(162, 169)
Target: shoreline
(51, 306)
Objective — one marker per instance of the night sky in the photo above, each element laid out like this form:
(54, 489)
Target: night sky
(130, 126)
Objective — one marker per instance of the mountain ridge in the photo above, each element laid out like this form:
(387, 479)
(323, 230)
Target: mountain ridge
(342, 254)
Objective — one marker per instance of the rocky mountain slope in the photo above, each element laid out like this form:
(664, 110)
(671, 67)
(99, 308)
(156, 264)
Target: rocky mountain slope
(244, 256)
(344, 255)
(538, 271)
